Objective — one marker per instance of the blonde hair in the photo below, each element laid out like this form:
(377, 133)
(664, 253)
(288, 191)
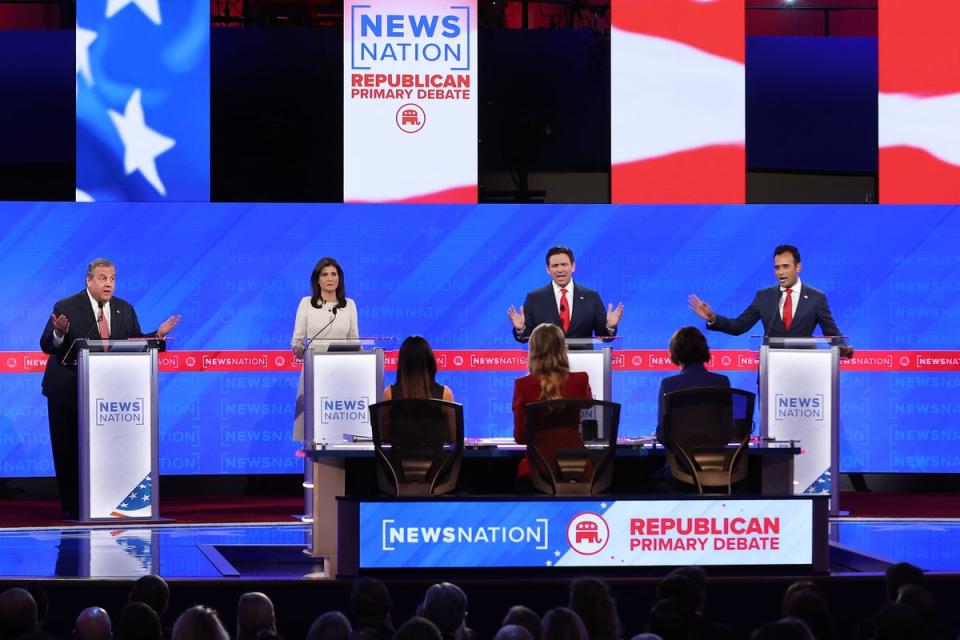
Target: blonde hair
(547, 359)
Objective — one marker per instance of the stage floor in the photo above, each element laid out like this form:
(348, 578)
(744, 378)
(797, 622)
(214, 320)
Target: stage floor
(272, 551)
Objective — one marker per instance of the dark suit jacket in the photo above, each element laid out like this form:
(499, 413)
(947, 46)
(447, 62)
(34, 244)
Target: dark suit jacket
(60, 381)
(693, 375)
(526, 390)
(812, 310)
(589, 314)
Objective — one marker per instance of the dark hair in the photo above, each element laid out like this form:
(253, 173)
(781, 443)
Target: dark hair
(552, 251)
(153, 591)
(199, 623)
(18, 612)
(315, 282)
(688, 344)
(788, 248)
(254, 613)
(369, 601)
(670, 618)
(681, 588)
(591, 599)
(513, 632)
(563, 624)
(416, 368)
(417, 628)
(698, 575)
(139, 621)
(445, 605)
(808, 604)
(524, 617)
(900, 574)
(783, 629)
(332, 625)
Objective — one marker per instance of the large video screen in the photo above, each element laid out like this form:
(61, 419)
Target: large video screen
(236, 273)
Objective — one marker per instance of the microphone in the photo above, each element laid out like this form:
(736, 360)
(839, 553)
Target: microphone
(333, 317)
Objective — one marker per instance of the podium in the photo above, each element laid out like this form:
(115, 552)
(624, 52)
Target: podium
(340, 382)
(800, 402)
(595, 362)
(118, 427)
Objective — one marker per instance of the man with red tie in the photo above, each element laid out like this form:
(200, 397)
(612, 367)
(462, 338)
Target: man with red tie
(790, 309)
(577, 310)
(92, 314)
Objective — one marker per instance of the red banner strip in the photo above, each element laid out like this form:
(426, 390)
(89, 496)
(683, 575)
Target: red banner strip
(502, 360)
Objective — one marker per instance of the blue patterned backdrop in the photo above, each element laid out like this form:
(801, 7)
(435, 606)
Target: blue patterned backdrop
(237, 271)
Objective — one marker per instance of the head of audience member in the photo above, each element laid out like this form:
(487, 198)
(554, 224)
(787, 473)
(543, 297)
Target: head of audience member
(18, 613)
(920, 598)
(524, 617)
(699, 577)
(562, 623)
(805, 601)
(900, 574)
(561, 265)
(445, 605)
(332, 625)
(153, 591)
(786, 264)
(591, 599)
(254, 613)
(93, 623)
(370, 603)
(326, 282)
(671, 619)
(513, 632)
(646, 636)
(784, 629)
(681, 588)
(416, 368)
(139, 621)
(199, 623)
(547, 359)
(418, 628)
(267, 634)
(688, 345)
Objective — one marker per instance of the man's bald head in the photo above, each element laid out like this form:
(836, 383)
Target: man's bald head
(18, 612)
(93, 623)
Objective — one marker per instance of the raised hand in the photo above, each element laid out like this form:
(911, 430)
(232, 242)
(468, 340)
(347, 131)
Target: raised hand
(61, 324)
(701, 308)
(168, 325)
(614, 315)
(516, 318)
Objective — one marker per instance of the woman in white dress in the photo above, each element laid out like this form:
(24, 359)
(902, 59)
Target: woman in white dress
(327, 314)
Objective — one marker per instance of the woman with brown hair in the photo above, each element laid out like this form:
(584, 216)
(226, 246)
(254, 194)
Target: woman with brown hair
(550, 378)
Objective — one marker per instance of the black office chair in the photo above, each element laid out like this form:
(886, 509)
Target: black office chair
(700, 425)
(571, 445)
(418, 446)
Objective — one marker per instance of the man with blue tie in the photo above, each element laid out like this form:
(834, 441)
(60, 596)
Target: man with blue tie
(791, 309)
(577, 310)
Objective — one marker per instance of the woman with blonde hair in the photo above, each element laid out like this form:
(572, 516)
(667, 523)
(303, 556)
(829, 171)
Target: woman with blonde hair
(550, 378)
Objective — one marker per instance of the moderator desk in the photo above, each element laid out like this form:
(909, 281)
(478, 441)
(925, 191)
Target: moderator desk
(489, 468)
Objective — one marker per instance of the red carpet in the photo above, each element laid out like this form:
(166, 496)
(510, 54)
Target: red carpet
(184, 510)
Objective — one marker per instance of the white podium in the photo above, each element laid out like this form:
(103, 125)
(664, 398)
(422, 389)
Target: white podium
(340, 382)
(118, 426)
(800, 402)
(596, 364)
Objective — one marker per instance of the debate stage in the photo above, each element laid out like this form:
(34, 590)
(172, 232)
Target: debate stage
(215, 561)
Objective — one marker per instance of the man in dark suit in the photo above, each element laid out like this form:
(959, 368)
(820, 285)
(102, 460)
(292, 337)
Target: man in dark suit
(93, 314)
(577, 310)
(791, 309)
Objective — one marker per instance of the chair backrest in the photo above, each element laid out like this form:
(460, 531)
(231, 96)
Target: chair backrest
(571, 445)
(418, 445)
(699, 425)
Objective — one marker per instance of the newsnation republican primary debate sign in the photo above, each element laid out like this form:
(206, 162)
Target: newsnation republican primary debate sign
(410, 101)
(560, 533)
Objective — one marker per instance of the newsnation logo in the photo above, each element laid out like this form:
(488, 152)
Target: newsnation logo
(119, 412)
(344, 410)
(806, 407)
(535, 534)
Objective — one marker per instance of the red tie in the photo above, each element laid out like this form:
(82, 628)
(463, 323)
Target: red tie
(788, 310)
(564, 311)
(104, 329)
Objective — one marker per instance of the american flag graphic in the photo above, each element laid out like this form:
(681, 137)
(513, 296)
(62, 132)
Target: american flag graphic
(138, 503)
(143, 100)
